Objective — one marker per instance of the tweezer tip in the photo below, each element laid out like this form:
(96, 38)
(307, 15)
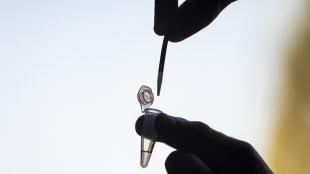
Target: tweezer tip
(158, 91)
(161, 64)
(159, 82)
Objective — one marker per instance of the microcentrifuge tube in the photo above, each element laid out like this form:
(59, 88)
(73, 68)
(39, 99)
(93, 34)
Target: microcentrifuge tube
(145, 98)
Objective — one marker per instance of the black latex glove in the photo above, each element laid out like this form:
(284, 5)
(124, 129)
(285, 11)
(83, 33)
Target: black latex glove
(179, 23)
(202, 150)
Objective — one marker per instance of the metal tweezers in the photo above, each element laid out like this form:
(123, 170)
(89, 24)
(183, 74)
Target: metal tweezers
(161, 64)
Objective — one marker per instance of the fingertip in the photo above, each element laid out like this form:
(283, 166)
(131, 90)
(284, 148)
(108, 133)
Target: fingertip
(163, 124)
(179, 162)
(172, 36)
(175, 38)
(169, 163)
(158, 30)
(139, 125)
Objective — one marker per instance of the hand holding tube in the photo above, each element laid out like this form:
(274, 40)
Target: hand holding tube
(202, 150)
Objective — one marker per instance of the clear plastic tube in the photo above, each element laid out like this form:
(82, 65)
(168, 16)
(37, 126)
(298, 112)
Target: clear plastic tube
(146, 99)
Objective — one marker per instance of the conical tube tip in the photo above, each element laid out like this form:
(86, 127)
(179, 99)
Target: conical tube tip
(147, 146)
(145, 158)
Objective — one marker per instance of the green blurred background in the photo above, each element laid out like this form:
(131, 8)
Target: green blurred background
(291, 149)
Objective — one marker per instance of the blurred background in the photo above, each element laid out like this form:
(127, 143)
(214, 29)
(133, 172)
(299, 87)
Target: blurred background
(70, 72)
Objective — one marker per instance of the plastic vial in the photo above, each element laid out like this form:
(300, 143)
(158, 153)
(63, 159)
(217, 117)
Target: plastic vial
(146, 99)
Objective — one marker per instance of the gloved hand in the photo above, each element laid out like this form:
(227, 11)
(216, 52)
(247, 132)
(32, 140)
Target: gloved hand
(179, 23)
(202, 150)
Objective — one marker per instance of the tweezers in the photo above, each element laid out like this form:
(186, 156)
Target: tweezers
(161, 64)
